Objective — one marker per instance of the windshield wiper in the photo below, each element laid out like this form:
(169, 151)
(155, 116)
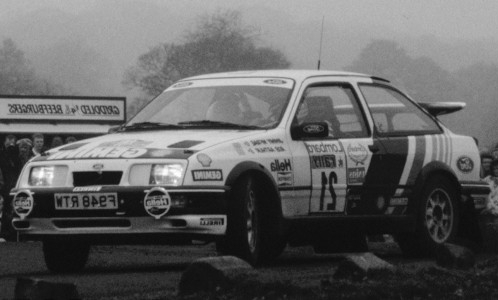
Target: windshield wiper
(148, 125)
(210, 123)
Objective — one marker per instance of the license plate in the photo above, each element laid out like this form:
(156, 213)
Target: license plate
(86, 201)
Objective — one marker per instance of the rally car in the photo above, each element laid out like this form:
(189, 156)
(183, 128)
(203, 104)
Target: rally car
(255, 161)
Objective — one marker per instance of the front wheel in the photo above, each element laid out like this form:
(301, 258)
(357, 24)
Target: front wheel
(251, 230)
(437, 220)
(63, 255)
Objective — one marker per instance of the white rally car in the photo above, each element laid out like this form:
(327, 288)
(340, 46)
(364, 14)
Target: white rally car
(254, 161)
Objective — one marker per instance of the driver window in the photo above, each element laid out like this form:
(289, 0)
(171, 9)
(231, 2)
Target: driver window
(335, 105)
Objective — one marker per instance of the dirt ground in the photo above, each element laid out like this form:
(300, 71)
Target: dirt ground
(413, 279)
(408, 282)
(153, 272)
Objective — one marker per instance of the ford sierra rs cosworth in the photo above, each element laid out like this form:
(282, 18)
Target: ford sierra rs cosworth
(255, 161)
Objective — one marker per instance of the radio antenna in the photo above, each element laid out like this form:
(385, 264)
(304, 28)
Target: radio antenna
(321, 38)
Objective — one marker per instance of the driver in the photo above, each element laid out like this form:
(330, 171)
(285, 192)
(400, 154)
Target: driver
(226, 109)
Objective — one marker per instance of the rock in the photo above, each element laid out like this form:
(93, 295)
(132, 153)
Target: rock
(358, 266)
(34, 289)
(208, 274)
(454, 257)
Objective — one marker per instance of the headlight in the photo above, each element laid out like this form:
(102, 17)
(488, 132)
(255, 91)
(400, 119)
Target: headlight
(166, 174)
(47, 176)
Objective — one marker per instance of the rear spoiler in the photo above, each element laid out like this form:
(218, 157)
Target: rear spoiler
(442, 108)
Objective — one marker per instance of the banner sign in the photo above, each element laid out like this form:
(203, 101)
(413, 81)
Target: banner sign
(63, 109)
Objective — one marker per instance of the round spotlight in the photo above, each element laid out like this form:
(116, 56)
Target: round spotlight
(23, 203)
(157, 202)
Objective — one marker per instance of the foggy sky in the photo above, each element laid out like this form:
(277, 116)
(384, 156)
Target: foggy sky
(455, 33)
(444, 19)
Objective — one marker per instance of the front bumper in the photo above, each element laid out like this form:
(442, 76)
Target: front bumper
(194, 211)
(180, 224)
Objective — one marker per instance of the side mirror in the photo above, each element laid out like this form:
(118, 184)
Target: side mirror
(310, 130)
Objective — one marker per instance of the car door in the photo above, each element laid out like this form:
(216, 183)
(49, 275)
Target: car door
(336, 104)
(406, 135)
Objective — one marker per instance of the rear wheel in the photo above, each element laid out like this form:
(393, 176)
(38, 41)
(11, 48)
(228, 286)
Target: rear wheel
(251, 232)
(437, 221)
(64, 255)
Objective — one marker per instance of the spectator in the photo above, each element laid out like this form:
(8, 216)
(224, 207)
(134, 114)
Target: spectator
(486, 159)
(492, 180)
(3, 216)
(38, 143)
(10, 168)
(56, 142)
(70, 139)
(25, 152)
(495, 152)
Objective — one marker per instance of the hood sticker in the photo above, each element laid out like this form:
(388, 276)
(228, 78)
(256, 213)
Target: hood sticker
(119, 149)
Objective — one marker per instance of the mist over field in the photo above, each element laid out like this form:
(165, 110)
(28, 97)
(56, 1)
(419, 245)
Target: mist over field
(86, 46)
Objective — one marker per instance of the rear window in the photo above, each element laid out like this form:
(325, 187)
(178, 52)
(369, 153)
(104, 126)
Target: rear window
(394, 114)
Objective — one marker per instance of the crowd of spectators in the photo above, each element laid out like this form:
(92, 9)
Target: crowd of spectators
(14, 154)
(489, 173)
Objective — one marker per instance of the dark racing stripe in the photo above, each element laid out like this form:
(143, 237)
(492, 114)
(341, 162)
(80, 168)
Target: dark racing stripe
(385, 170)
(434, 147)
(418, 160)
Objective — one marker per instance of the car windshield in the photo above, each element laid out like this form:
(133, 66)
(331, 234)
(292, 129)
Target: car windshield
(242, 103)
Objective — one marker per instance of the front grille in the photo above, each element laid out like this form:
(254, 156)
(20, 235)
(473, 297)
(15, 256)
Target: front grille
(91, 223)
(97, 178)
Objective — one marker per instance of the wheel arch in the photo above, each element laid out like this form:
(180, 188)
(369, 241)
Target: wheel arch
(430, 170)
(263, 176)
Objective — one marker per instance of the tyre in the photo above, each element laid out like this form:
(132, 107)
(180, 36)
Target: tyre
(438, 219)
(251, 232)
(63, 255)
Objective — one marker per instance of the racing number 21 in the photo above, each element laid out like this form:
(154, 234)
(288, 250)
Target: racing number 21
(330, 180)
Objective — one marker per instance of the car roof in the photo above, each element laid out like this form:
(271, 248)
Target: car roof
(286, 73)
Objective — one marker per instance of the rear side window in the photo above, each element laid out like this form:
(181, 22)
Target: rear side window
(394, 114)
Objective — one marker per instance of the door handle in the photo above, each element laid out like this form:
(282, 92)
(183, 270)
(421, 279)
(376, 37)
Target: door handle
(373, 148)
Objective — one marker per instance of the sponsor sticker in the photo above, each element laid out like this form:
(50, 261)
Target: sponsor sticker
(465, 164)
(323, 148)
(238, 148)
(212, 222)
(285, 178)
(275, 81)
(356, 175)
(87, 189)
(401, 201)
(357, 154)
(112, 149)
(207, 175)
(204, 159)
(23, 203)
(323, 162)
(281, 165)
(157, 202)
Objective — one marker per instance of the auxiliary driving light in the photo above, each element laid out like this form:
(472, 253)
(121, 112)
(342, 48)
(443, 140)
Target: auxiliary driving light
(23, 203)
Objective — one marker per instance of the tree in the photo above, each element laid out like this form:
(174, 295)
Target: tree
(17, 76)
(219, 43)
(425, 81)
(383, 58)
(479, 117)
